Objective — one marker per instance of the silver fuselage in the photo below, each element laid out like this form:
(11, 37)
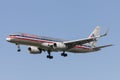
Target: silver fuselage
(37, 41)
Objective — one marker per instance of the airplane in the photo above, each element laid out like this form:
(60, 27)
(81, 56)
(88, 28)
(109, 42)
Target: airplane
(37, 44)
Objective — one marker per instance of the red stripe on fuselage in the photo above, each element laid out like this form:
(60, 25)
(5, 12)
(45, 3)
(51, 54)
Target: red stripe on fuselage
(28, 39)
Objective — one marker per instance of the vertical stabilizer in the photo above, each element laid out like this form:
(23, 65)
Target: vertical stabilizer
(95, 33)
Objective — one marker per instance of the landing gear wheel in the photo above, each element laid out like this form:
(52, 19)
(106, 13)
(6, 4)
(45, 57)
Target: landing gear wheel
(49, 57)
(18, 46)
(64, 54)
(18, 50)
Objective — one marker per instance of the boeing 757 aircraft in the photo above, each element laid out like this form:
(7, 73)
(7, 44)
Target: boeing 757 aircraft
(37, 44)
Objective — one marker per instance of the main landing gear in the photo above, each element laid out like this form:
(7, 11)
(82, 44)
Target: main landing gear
(64, 54)
(49, 55)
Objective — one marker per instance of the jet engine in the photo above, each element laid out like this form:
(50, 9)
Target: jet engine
(59, 45)
(56, 45)
(34, 50)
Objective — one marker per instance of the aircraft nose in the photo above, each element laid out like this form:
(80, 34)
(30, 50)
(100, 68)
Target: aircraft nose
(8, 39)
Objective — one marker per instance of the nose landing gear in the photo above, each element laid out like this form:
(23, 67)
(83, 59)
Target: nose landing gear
(18, 46)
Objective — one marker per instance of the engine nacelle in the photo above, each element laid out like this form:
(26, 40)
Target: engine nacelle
(59, 45)
(34, 50)
(56, 45)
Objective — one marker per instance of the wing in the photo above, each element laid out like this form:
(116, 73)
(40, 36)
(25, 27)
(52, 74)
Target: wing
(72, 43)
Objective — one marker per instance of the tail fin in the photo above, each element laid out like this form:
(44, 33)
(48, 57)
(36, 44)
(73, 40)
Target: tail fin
(96, 32)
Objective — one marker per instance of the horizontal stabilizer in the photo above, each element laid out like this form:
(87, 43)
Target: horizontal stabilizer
(102, 46)
(105, 34)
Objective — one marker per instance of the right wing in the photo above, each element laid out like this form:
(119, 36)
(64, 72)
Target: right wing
(72, 43)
